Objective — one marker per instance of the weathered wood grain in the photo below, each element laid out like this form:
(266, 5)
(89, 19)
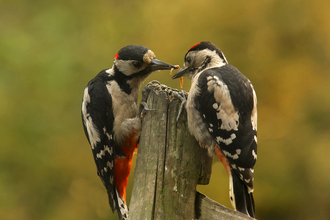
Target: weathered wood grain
(170, 164)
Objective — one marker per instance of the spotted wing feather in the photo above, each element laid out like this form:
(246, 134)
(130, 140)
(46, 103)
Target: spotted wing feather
(226, 98)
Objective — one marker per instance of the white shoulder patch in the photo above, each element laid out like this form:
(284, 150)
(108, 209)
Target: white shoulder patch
(254, 115)
(93, 133)
(110, 71)
(225, 111)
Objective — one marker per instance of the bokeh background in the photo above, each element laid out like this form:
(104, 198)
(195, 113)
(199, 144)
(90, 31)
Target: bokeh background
(49, 50)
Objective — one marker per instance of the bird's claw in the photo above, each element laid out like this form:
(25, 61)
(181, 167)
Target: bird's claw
(182, 96)
(144, 108)
(143, 104)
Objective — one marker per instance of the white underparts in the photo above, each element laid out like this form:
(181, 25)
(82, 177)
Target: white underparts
(125, 111)
(195, 123)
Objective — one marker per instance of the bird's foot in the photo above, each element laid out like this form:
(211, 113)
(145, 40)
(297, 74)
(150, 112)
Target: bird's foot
(182, 95)
(144, 108)
(143, 104)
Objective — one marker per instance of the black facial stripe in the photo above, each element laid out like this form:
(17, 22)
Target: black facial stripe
(121, 80)
(205, 63)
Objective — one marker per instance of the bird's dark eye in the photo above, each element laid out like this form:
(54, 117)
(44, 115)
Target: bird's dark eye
(137, 64)
(188, 60)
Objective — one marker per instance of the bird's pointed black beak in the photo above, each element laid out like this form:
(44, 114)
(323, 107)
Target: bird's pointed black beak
(160, 65)
(180, 73)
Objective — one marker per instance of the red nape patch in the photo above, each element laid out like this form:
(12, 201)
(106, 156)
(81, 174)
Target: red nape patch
(193, 46)
(116, 56)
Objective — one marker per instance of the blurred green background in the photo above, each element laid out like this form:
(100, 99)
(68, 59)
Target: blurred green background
(49, 50)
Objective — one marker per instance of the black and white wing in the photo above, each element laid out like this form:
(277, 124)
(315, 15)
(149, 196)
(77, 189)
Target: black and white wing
(98, 119)
(227, 104)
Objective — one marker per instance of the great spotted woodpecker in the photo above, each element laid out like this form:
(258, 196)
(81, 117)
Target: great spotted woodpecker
(111, 120)
(222, 115)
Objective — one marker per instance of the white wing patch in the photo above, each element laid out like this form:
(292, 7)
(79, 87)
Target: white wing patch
(254, 154)
(102, 152)
(241, 168)
(226, 141)
(233, 156)
(92, 131)
(110, 164)
(87, 98)
(225, 111)
(107, 134)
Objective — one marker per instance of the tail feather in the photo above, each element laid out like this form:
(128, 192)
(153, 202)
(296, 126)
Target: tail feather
(122, 208)
(116, 202)
(240, 196)
(112, 201)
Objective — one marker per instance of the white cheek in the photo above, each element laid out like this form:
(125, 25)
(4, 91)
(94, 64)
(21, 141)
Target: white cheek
(125, 67)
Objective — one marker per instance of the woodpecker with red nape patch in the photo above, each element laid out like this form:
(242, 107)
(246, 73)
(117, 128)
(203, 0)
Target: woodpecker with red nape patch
(222, 115)
(111, 119)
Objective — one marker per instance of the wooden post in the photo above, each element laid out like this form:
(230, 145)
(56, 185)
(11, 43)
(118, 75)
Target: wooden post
(170, 164)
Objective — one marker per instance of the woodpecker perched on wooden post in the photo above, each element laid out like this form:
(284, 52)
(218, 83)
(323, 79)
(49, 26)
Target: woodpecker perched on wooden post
(222, 115)
(111, 120)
